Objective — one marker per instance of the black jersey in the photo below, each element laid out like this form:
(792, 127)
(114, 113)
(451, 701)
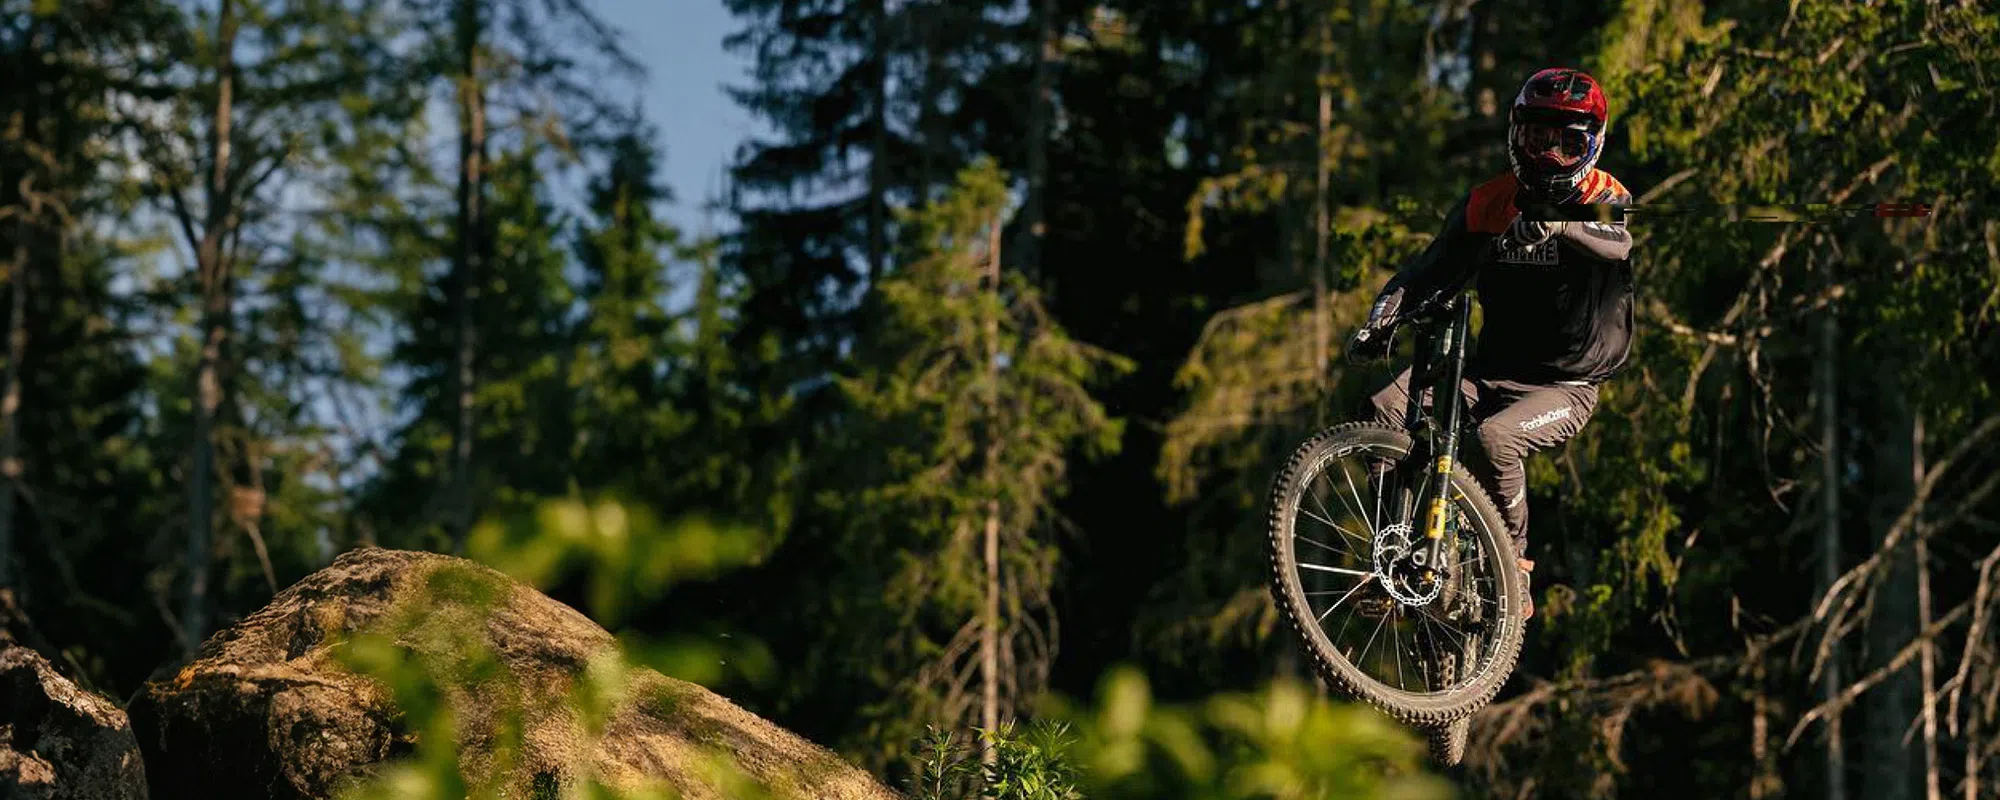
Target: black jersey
(1558, 311)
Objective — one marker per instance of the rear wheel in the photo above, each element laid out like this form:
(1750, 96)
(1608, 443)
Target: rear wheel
(1448, 743)
(1428, 646)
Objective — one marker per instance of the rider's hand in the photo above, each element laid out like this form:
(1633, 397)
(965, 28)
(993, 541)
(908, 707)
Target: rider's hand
(1368, 345)
(1524, 233)
(1373, 340)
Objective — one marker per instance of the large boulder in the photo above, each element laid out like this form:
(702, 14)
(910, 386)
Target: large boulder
(270, 709)
(59, 742)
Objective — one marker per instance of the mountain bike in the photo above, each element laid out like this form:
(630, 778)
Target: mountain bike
(1389, 560)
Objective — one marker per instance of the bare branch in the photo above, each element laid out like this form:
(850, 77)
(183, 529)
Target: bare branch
(1854, 690)
(1844, 591)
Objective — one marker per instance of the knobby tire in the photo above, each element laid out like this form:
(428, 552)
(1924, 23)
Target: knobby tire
(1430, 711)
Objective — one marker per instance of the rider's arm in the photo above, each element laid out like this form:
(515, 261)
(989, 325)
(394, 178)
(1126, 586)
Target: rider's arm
(1607, 241)
(1441, 264)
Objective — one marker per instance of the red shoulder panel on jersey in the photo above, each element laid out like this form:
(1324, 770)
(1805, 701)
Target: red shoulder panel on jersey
(1490, 209)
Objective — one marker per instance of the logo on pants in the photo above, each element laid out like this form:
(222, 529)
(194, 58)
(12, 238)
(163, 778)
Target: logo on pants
(1546, 418)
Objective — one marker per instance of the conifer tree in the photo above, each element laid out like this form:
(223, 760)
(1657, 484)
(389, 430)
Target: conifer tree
(965, 413)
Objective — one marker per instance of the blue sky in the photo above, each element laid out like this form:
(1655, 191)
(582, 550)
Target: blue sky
(680, 42)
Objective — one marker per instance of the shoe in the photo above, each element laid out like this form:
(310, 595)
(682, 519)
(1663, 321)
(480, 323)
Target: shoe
(1528, 611)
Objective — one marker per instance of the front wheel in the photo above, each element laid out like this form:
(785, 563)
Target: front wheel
(1427, 644)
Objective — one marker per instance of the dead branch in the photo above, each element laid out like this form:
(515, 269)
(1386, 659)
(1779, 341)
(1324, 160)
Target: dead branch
(1847, 696)
(1865, 575)
(1981, 605)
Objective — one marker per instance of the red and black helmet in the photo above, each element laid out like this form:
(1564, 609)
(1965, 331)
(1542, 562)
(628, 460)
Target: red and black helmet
(1555, 130)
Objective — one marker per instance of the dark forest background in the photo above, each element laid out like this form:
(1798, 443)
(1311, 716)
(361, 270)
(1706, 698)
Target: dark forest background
(995, 344)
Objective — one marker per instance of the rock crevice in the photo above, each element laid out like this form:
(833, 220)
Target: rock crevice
(60, 742)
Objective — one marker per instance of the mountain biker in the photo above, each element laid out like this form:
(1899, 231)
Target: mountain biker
(1557, 295)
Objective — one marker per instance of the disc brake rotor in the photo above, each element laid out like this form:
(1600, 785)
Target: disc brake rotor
(1409, 583)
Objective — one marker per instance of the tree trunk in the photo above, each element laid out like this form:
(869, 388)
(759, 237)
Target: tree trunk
(1973, 760)
(1041, 115)
(1764, 780)
(10, 397)
(26, 126)
(1890, 770)
(878, 164)
(1932, 789)
(989, 639)
(29, 129)
(1828, 390)
(931, 127)
(1322, 216)
(468, 264)
(213, 264)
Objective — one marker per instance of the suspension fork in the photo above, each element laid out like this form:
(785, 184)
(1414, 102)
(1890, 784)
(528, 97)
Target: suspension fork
(1450, 406)
(1416, 420)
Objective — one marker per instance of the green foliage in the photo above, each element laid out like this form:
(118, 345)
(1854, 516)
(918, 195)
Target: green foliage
(1026, 765)
(966, 405)
(1279, 743)
(626, 555)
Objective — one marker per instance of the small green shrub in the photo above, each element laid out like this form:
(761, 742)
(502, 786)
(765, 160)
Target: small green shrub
(1280, 743)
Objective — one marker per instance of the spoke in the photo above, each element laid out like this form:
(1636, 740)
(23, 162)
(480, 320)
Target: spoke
(1343, 501)
(1342, 635)
(1336, 570)
(1373, 524)
(1328, 522)
(1423, 489)
(1447, 628)
(1379, 486)
(1343, 599)
(1324, 546)
(1396, 641)
(1461, 645)
(1371, 641)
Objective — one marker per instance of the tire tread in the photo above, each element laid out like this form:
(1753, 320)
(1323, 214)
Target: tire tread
(1510, 646)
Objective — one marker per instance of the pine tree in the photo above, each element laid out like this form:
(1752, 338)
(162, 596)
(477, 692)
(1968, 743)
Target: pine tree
(523, 394)
(964, 417)
(492, 54)
(628, 345)
(236, 135)
(80, 487)
(876, 106)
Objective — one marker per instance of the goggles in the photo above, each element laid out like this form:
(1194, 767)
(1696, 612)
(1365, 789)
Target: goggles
(1563, 144)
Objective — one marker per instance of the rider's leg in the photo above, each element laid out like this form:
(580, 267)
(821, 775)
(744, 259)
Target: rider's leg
(1388, 405)
(1517, 420)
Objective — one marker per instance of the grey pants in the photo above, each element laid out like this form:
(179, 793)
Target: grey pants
(1515, 420)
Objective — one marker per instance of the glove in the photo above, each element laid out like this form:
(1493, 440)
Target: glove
(1523, 232)
(1369, 345)
(1375, 337)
